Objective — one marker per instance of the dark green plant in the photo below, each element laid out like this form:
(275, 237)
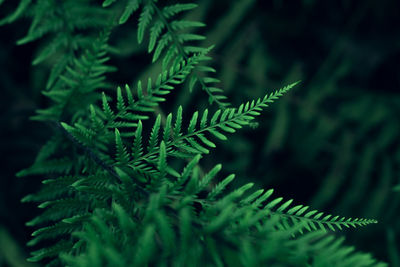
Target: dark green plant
(120, 192)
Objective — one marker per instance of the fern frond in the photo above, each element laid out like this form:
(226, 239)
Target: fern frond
(181, 50)
(259, 232)
(52, 189)
(312, 220)
(61, 23)
(81, 133)
(129, 111)
(331, 251)
(79, 83)
(194, 140)
(53, 166)
(51, 252)
(116, 193)
(169, 36)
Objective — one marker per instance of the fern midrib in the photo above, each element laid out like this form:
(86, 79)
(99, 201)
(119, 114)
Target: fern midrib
(326, 221)
(183, 54)
(353, 223)
(155, 90)
(194, 134)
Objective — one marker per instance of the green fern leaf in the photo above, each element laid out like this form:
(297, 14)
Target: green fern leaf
(154, 134)
(144, 20)
(22, 6)
(131, 7)
(122, 155)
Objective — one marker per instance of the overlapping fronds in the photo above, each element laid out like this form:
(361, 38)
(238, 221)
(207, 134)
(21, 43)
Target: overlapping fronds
(170, 39)
(178, 141)
(194, 140)
(77, 86)
(60, 24)
(111, 195)
(152, 233)
(129, 110)
(70, 101)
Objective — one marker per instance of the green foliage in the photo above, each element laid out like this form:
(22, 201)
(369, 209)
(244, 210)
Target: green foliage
(338, 140)
(207, 248)
(120, 192)
(170, 36)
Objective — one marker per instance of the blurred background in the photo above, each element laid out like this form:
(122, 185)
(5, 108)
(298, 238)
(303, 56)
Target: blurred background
(331, 143)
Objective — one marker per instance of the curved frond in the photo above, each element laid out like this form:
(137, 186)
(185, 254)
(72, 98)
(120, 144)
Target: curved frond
(170, 40)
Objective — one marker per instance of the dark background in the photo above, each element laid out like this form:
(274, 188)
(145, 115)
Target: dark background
(331, 143)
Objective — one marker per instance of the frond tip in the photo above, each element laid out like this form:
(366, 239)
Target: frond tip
(313, 220)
